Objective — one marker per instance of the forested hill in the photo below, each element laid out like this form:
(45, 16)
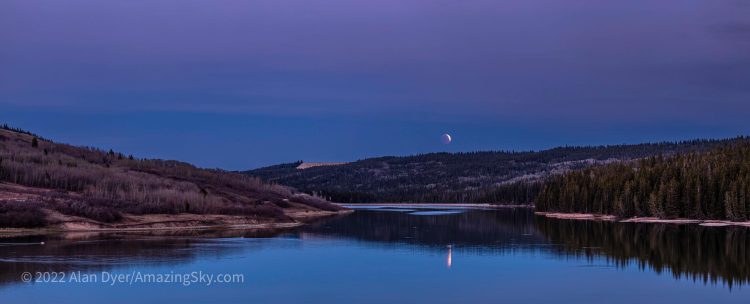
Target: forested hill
(459, 177)
(709, 185)
(44, 183)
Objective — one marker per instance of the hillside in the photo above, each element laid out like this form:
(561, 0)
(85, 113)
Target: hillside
(48, 184)
(711, 185)
(477, 177)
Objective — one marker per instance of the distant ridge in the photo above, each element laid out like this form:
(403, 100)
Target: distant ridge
(305, 165)
(469, 177)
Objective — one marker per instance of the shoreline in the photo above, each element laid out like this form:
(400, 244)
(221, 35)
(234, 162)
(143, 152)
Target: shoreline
(26, 231)
(180, 222)
(651, 220)
(438, 205)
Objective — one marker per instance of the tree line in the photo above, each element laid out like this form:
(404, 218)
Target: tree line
(101, 185)
(470, 177)
(709, 185)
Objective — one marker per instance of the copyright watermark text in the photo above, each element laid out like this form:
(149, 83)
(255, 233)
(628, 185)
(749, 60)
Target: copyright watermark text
(134, 277)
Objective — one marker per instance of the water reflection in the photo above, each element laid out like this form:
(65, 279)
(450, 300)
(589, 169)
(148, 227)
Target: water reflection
(449, 261)
(488, 231)
(93, 252)
(707, 254)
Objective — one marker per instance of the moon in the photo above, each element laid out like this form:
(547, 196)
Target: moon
(446, 138)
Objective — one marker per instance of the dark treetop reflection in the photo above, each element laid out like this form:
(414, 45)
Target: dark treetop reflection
(378, 254)
(709, 254)
(483, 230)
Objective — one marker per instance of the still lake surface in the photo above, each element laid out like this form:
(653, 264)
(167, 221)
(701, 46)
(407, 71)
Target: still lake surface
(394, 255)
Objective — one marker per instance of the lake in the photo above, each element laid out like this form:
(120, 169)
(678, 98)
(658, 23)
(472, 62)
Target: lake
(383, 254)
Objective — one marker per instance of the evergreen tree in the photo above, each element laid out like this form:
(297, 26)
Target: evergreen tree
(712, 184)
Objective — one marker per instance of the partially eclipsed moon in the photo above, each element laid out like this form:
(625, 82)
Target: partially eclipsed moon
(446, 138)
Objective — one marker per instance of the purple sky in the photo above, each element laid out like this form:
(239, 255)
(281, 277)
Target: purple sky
(240, 84)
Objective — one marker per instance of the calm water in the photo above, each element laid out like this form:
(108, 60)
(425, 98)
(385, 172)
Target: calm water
(394, 255)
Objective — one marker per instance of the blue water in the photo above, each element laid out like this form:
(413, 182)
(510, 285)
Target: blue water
(376, 256)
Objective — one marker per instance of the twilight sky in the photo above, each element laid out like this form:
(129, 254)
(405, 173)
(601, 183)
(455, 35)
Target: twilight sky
(245, 83)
